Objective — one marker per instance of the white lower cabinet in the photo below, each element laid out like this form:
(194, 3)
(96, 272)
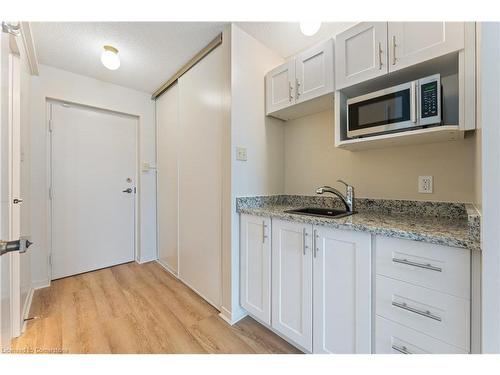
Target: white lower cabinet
(255, 263)
(342, 291)
(327, 271)
(313, 285)
(292, 281)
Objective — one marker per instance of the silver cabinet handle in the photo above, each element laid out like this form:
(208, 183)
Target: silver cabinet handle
(394, 50)
(401, 349)
(290, 88)
(297, 86)
(304, 234)
(427, 266)
(315, 243)
(427, 314)
(264, 236)
(380, 55)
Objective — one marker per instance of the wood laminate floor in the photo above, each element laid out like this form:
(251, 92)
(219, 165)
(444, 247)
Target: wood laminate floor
(134, 308)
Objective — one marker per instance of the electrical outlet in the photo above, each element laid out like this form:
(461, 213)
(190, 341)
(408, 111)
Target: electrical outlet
(241, 153)
(425, 184)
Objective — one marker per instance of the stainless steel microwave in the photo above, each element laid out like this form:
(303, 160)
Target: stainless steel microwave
(409, 105)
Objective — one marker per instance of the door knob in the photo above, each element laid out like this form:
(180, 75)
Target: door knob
(129, 190)
(16, 201)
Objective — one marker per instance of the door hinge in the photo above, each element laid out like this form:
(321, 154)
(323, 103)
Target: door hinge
(50, 125)
(12, 28)
(50, 193)
(50, 259)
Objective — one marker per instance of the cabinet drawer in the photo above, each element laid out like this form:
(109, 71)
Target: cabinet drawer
(444, 317)
(393, 338)
(441, 268)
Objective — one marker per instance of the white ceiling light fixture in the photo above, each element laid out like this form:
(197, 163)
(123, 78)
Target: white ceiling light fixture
(110, 58)
(310, 28)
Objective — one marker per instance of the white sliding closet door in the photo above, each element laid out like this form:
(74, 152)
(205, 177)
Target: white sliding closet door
(167, 117)
(200, 176)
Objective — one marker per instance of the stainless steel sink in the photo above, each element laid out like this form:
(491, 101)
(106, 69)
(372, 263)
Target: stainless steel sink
(321, 212)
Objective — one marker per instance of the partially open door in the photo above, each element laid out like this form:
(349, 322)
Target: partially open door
(11, 243)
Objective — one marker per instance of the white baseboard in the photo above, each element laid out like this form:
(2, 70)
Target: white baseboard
(146, 259)
(231, 318)
(167, 268)
(40, 284)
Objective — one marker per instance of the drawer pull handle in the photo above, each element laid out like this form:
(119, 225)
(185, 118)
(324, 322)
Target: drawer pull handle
(427, 314)
(427, 266)
(401, 349)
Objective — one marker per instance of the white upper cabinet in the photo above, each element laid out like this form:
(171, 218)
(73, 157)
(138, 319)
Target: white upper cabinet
(291, 87)
(342, 291)
(292, 281)
(280, 87)
(255, 245)
(372, 49)
(360, 53)
(414, 42)
(314, 72)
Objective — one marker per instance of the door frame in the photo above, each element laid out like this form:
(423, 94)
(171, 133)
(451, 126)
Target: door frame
(50, 225)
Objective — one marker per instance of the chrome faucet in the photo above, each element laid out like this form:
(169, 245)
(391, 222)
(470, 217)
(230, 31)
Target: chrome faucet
(348, 200)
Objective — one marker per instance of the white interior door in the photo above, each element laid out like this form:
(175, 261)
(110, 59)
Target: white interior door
(200, 176)
(93, 188)
(5, 260)
(167, 118)
(11, 302)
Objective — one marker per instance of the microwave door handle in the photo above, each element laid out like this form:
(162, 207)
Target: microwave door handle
(413, 101)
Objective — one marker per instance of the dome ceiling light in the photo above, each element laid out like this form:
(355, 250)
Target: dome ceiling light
(110, 58)
(310, 28)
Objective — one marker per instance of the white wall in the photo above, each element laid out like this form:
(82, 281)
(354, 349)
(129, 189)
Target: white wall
(58, 84)
(262, 173)
(312, 160)
(489, 49)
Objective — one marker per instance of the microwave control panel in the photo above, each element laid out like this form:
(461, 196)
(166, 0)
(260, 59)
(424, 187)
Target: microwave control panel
(429, 99)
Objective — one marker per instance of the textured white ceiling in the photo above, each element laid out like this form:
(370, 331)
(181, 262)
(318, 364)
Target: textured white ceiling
(150, 52)
(286, 39)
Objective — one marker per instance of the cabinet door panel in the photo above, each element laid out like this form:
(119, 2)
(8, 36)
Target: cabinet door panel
(414, 42)
(279, 87)
(360, 53)
(292, 281)
(255, 261)
(314, 72)
(342, 291)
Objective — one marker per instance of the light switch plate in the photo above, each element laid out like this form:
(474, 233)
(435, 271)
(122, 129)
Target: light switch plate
(425, 184)
(241, 153)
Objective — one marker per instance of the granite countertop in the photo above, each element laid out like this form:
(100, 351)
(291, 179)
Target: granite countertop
(446, 224)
